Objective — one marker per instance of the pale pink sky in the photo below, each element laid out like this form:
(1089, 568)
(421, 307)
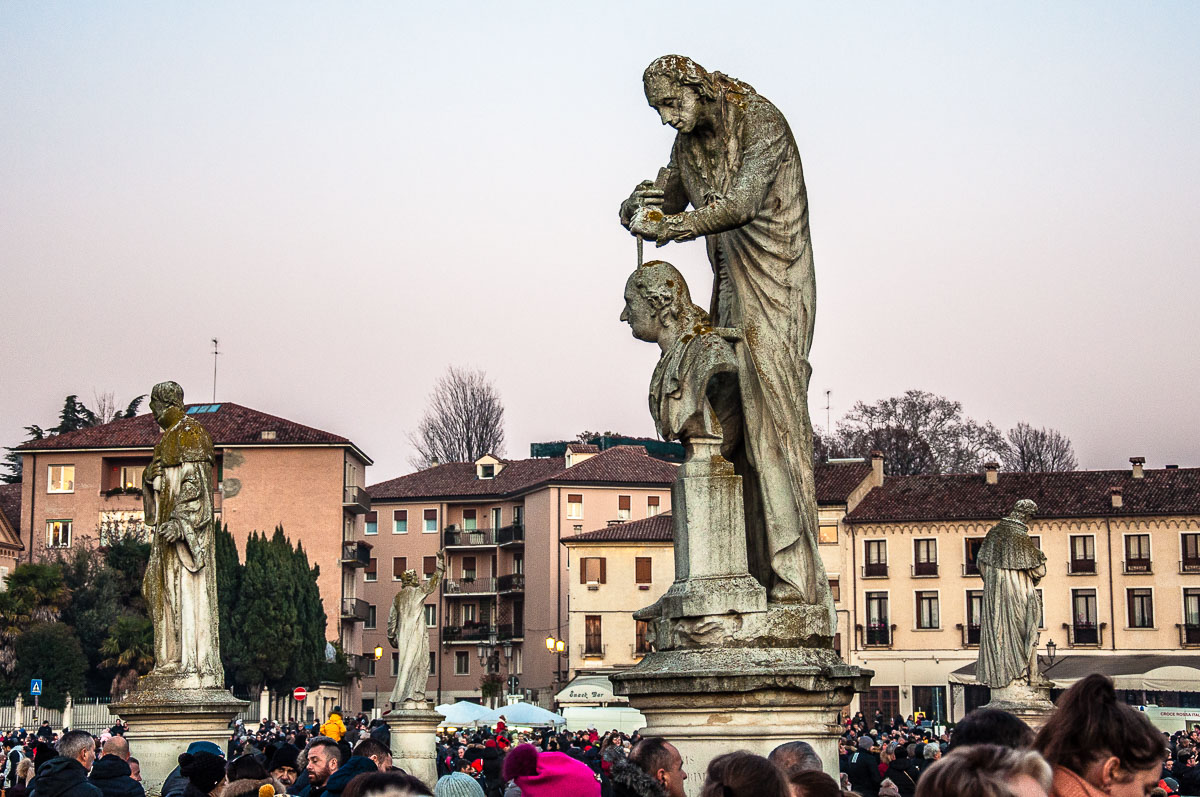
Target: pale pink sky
(353, 196)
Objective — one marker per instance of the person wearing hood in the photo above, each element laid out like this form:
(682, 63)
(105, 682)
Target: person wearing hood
(205, 773)
(66, 774)
(246, 775)
(355, 765)
(863, 768)
(176, 783)
(111, 773)
(653, 768)
(334, 727)
(283, 766)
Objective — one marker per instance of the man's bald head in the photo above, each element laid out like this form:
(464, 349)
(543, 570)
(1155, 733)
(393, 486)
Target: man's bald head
(118, 746)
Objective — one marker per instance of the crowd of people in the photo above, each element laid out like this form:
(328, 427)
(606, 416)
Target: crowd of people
(1092, 745)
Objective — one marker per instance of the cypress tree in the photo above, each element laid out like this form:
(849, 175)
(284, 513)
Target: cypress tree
(310, 623)
(229, 584)
(264, 618)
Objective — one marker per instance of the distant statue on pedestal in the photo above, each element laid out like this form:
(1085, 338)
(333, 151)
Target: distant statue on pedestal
(180, 585)
(1011, 566)
(408, 632)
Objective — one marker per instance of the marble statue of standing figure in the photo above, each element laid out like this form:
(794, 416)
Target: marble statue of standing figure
(180, 585)
(1011, 566)
(735, 162)
(408, 632)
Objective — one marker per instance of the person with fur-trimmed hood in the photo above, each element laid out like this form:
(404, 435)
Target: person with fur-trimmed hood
(653, 768)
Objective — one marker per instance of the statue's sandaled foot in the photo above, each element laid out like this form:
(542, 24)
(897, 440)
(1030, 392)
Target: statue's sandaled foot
(783, 592)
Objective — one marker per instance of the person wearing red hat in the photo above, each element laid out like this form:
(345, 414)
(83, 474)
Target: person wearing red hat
(549, 774)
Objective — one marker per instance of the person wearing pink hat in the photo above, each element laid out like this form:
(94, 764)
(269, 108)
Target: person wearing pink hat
(549, 774)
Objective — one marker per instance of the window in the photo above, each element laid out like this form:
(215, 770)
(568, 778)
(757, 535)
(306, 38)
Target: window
(395, 663)
(875, 556)
(974, 615)
(641, 638)
(970, 566)
(468, 613)
(430, 521)
(624, 507)
(518, 515)
(930, 701)
(428, 565)
(574, 506)
(431, 615)
(927, 610)
(399, 565)
(61, 479)
(487, 471)
(468, 568)
(592, 570)
(371, 616)
(835, 589)
(497, 517)
(131, 478)
(1083, 612)
(469, 522)
(1141, 607)
(400, 521)
(925, 561)
(1191, 553)
(879, 629)
(371, 571)
(518, 564)
(1137, 553)
(370, 659)
(827, 534)
(1191, 616)
(642, 570)
(592, 643)
(1083, 553)
(432, 663)
(652, 505)
(462, 662)
(58, 534)
(884, 699)
(372, 526)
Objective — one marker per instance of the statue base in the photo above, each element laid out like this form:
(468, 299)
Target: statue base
(414, 739)
(710, 701)
(164, 719)
(1030, 702)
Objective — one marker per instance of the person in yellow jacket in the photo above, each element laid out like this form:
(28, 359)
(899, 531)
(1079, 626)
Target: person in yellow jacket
(334, 727)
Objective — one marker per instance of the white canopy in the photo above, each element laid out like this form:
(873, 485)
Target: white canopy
(521, 714)
(461, 713)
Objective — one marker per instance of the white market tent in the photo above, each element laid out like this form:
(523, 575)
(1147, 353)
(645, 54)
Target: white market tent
(461, 713)
(521, 714)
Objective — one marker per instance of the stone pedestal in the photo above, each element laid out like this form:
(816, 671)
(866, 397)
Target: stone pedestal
(163, 721)
(709, 701)
(1029, 702)
(414, 740)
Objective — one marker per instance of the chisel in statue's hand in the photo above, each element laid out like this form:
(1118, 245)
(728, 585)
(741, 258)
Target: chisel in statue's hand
(659, 184)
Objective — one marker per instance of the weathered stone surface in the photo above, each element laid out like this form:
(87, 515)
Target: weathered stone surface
(779, 626)
(414, 740)
(407, 632)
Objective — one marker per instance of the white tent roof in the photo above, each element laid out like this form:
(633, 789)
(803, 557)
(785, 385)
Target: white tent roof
(461, 713)
(522, 714)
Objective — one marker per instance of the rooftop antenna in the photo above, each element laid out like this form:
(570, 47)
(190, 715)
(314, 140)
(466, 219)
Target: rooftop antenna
(828, 402)
(215, 353)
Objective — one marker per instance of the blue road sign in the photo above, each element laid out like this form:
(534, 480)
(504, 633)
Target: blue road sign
(35, 686)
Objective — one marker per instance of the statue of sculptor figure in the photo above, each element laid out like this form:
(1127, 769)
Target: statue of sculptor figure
(408, 632)
(1011, 566)
(736, 164)
(180, 585)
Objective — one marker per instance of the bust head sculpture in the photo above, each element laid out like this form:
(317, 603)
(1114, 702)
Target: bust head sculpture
(658, 305)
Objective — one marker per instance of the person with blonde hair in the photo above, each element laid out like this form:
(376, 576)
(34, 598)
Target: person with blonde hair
(986, 770)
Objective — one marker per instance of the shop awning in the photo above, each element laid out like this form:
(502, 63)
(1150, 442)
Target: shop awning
(591, 690)
(1166, 673)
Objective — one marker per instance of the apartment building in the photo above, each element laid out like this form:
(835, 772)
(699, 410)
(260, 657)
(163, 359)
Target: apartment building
(10, 535)
(499, 523)
(1121, 595)
(81, 487)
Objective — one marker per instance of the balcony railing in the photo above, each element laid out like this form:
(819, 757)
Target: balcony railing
(637, 650)
(511, 630)
(1083, 634)
(925, 569)
(354, 609)
(879, 635)
(594, 650)
(1138, 566)
(356, 500)
(470, 586)
(454, 537)
(1189, 634)
(970, 634)
(356, 554)
(1189, 566)
(468, 633)
(356, 662)
(513, 582)
(1081, 566)
(970, 569)
(875, 570)
(511, 535)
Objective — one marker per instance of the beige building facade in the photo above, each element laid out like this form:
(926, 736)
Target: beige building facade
(10, 535)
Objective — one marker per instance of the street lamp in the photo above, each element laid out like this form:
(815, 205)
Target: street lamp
(378, 656)
(556, 646)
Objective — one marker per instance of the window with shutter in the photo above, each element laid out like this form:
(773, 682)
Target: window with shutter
(372, 569)
(399, 565)
(575, 506)
(624, 507)
(642, 570)
(430, 521)
(428, 565)
(652, 505)
(372, 523)
(400, 521)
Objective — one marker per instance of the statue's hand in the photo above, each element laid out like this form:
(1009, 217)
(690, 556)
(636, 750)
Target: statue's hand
(648, 223)
(170, 531)
(152, 472)
(644, 195)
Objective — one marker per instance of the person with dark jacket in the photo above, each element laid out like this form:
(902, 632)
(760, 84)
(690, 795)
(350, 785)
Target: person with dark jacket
(902, 772)
(627, 779)
(66, 774)
(862, 767)
(112, 775)
(355, 765)
(493, 760)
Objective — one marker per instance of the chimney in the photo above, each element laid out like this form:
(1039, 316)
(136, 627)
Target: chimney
(991, 472)
(1138, 466)
(877, 468)
(1117, 502)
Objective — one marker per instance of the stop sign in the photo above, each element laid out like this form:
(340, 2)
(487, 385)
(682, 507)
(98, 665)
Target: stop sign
(299, 693)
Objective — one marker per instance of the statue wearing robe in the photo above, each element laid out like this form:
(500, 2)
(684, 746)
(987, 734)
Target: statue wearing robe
(408, 633)
(1011, 566)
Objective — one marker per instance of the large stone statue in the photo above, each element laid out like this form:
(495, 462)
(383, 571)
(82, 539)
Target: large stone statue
(180, 585)
(408, 632)
(736, 164)
(1011, 566)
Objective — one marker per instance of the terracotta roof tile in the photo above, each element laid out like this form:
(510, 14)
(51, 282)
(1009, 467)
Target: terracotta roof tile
(229, 424)
(1058, 495)
(837, 480)
(651, 529)
(10, 504)
(626, 464)
(583, 448)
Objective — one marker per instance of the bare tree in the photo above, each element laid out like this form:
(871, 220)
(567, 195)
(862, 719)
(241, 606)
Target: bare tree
(106, 408)
(463, 421)
(1032, 450)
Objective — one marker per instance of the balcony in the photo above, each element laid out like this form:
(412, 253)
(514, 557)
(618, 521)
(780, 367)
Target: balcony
(970, 634)
(468, 633)
(356, 662)
(354, 609)
(356, 554)
(356, 501)
(1189, 565)
(875, 570)
(513, 535)
(454, 537)
(511, 630)
(592, 651)
(1189, 634)
(514, 582)
(924, 569)
(1084, 634)
(970, 569)
(1134, 566)
(1081, 567)
(470, 586)
(879, 635)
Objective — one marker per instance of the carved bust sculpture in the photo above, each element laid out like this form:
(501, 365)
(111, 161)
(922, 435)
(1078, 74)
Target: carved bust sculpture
(694, 390)
(408, 632)
(1011, 566)
(180, 585)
